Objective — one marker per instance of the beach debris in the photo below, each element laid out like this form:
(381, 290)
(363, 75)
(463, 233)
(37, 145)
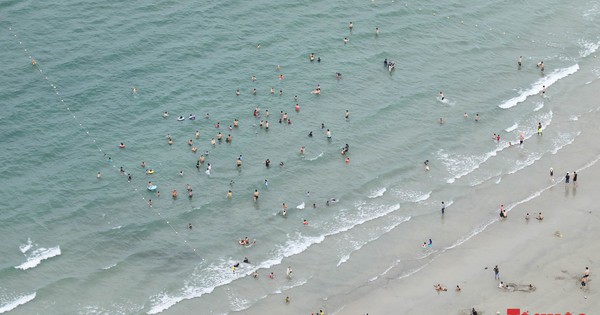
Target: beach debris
(558, 234)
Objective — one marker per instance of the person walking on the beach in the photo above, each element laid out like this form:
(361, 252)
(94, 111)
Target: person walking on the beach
(520, 61)
(574, 178)
(552, 174)
(443, 207)
(496, 273)
(567, 177)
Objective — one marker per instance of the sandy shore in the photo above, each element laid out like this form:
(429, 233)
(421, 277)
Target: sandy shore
(551, 255)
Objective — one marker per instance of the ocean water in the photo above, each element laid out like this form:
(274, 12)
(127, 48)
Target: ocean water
(75, 244)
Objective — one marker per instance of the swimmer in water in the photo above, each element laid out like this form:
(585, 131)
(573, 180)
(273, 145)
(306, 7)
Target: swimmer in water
(541, 66)
(33, 62)
(98, 176)
(256, 195)
(442, 96)
(350, 25)
(347, 115)
(520, 61)
(134, 90)
(165, 114)
(346, 40)
(377, 31)
(310, 134)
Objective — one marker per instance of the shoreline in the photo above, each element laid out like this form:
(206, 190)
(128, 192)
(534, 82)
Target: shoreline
(526, 253)
(551, 254)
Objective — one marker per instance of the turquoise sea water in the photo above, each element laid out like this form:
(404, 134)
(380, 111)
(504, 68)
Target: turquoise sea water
(74, 244)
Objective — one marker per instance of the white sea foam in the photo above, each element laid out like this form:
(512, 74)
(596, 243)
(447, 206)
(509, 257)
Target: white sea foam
(114, 308)
(316, 157)
(357, 245)
(412, 195)
(25, 247)
(386, 270)
(539, 106)
(38, 255)
(300, 206)
(108, 267)
(212, 276)
(587, 48)
(16, 302)
(482, 180)
(536, 87)
(446, 101)
(511, 128)
(238, 303)
(591, 13)
(573, 118)
(519, 165)
(461, 165)
(563, 140)
(294, 283)
(378, 193)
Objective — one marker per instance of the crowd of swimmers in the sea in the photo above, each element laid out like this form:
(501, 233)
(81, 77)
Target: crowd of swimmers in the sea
(263, 123)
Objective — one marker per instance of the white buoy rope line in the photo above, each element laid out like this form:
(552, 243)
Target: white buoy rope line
(105, 155)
